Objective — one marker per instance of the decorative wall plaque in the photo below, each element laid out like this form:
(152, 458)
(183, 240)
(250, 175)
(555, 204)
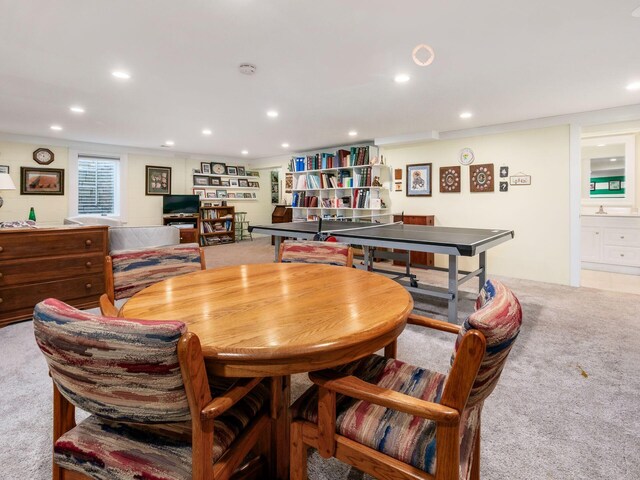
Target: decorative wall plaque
(450, 179)
(481, 177)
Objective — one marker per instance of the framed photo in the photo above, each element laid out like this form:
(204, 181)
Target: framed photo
(397, 187)
(199, 192)
(200, 180)
(158, 180)
(592, 186)
(233, 182)
(254, 184)
(215, 181)
(288, 182)
(253, 195)
(205, 167)
(221, 193)
(419, 180)
(232, 170)
(253, 174)
(41, 181)
(211, 195)
(4, 168)
(614, 185)
(225, 183)
(241, 171)
(520, 179)
(247, 195)
(231, 195)
(243, 182)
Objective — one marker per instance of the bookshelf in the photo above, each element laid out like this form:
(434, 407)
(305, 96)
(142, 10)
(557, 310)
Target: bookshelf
(217, 225)
(347, 185)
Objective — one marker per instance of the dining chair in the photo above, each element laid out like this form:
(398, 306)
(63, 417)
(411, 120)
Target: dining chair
(129, 271)
(397, 421)
(153, 413)
(308, 251)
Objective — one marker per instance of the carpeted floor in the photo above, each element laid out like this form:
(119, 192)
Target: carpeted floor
(566, 406)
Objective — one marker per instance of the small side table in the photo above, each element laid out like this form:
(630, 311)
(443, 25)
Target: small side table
(242, 226)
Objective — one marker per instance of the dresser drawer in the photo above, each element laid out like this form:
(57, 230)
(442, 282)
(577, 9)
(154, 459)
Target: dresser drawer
(621, 255)
(20, 297)
(629, 237)
(48, 244)
(39, 270)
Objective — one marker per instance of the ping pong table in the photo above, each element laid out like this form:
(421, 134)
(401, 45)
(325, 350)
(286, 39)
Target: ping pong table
(454, 242)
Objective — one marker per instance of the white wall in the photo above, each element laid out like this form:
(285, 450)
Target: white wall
(539, 214)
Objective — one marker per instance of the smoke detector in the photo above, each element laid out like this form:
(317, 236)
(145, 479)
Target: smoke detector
(247, 69)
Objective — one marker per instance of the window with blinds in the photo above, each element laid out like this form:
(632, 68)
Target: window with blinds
(97, 185)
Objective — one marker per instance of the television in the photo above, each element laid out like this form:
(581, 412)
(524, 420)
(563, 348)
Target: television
(180, 204)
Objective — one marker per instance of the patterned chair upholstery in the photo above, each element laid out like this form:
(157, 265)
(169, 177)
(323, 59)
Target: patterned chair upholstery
(130, 271)
(128, 375)
(307, 251)
(413, 439)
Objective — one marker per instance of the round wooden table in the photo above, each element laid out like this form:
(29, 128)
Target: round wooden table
(277, 319)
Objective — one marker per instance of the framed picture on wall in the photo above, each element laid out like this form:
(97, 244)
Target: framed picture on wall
(205, 167)
(243, 182)
(199, 192)
(211, 195)
(241, 171)
(4, 168)
(592, 186)
(419, 180)
(158, 180)
(231, 170)
(200, 180)
(614, 185)
(41, 181)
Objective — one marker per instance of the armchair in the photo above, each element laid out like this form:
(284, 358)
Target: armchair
(307, 251)
(153, 412)
(397, 421)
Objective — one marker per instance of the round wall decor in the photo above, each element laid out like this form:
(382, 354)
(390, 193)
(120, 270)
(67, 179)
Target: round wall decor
(450, 179)
(466, 156)
(481, 178)
(43, 156)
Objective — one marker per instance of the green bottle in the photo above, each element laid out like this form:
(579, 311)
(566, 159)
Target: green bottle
(32, 214)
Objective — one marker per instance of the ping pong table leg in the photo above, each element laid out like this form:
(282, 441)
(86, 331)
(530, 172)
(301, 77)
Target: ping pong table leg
(277, 244)
(368, 259)
(453, 289)
(483, 270)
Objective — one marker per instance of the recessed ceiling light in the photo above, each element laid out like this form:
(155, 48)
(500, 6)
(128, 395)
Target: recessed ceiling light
(245, 152)
(633, 86)
(602, 145)
(76, 109)
(206, 131)
(121, 75)
(353, 133)
(57, 128)
(285, 145)
(169, 143)
(613, 159)
(272, 114)
(402, 78)
(466, 115)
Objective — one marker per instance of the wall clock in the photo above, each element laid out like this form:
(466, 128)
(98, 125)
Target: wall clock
(43, 156)
(450, 179)
(219, 168)
(481, 178)
(466, 156)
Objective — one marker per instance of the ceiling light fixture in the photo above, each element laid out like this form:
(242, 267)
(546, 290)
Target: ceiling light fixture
(169, 143)
(285, 145)
(206, 131)
(466, 115)
(121, 75)
(633, 86)
(423, 55)
(353, 133)
(247, 68)
(245, 152)
(76, 109)
(57, 128)
(272, 114)
(402, 78)
(613, 159)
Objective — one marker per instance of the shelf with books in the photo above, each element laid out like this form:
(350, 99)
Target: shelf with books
(217, 225)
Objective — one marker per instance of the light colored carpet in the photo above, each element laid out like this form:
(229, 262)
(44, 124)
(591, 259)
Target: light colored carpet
(566, 406)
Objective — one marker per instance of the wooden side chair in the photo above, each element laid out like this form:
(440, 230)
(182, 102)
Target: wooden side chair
(129, 271)
(153, 413)
(397, 421)
(307, 251)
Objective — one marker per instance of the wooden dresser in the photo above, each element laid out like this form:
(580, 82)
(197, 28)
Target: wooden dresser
(66, 263)
(418, 259)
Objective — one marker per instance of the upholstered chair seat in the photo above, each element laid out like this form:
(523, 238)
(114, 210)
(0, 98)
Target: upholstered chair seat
(307, 251)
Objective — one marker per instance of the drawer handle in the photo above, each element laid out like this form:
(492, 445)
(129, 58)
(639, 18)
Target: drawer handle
(88, 264)
(88, 286)
(1, 249)
(622, 237)
(1, 300)
(0, 274)
(622, 254)
(88, 243)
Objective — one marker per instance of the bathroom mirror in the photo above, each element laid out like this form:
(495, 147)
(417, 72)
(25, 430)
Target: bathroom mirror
(608, 170)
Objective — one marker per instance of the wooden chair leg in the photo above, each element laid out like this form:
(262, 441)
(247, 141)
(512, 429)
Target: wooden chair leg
(298, 463)
(64, 419)
(391, 350)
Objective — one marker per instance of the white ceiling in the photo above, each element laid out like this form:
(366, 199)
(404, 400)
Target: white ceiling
(327, 67)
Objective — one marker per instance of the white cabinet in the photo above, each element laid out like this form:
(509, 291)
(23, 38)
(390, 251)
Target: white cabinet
(611, 243)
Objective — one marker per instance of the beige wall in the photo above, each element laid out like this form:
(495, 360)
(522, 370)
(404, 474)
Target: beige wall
(539, 213)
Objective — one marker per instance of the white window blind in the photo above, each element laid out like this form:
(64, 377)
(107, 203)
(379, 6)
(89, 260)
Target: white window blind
(97, 185)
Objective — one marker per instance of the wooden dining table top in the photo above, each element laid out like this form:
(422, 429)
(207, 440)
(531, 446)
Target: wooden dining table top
(279, 318)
